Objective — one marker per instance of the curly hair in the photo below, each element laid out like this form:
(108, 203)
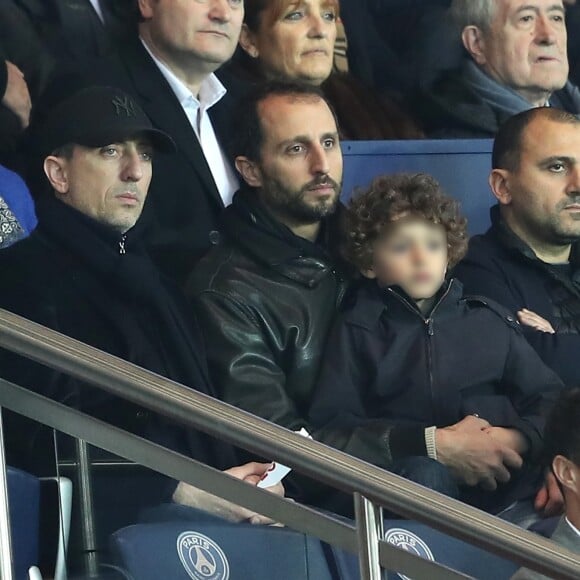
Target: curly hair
(389, 198)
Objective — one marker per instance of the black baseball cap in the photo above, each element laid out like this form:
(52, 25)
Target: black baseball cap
(96, 116)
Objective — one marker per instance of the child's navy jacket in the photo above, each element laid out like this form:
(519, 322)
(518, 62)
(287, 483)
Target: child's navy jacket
(389, 372)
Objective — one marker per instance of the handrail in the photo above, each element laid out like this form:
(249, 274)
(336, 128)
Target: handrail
(266, 439)
(5, 538)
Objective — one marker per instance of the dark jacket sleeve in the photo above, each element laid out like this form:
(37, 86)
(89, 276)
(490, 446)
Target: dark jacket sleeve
(242, 359)
(339, 410)
(487, 277)
(528, 389)
(530, 386)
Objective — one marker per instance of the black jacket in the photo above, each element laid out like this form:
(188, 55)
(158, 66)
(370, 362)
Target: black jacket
(71, 30)
(71, 276)
(265, 300)
(389, 373)
(500, 265)
(20, 45)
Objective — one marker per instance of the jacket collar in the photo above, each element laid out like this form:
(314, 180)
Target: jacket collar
(249, 224)
(372, 301)
(516, 246)
(512, 242)
(72, 227)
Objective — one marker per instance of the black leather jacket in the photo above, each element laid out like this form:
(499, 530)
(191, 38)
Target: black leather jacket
(265, 299)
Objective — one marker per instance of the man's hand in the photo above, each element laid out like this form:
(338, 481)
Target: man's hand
(549, 500)
(475, 457)
(17, 97)
(251, 473)
(512, 438)
(529, 318)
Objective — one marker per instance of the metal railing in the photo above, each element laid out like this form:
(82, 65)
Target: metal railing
(242, 429)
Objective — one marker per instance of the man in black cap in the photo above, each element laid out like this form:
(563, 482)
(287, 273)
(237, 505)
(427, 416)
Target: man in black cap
(83, 272)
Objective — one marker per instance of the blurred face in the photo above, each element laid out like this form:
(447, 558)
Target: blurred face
(299, 173)
(108, 183)
(189, 33)
(299, 44)
(541, 199)
(525, 48)
(412, 255)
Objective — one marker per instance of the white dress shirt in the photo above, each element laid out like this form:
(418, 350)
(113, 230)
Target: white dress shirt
(574, 528)
(196, 110)
(96, 5)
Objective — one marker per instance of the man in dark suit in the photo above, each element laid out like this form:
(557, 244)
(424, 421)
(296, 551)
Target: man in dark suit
(169, 68)
(75, 30)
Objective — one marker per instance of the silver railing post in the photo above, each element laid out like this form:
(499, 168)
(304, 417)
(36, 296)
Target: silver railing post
(87, 509)
(6, 570)
(369, 527)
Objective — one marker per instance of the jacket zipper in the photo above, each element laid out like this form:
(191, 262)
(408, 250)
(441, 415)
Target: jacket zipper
(122, 249)
(429, 347)
(340, 286)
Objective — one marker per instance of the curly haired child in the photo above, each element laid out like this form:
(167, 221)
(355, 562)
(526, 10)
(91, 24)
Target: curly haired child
(436, 386)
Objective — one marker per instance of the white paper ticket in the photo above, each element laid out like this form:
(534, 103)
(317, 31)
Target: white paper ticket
(277, 472)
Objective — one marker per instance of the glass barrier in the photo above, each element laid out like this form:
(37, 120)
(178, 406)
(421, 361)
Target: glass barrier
(102, 516)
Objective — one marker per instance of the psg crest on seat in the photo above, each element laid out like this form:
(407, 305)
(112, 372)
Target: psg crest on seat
(201, 557)
(410, 542)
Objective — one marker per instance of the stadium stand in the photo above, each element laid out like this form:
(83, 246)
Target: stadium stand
(461, 166)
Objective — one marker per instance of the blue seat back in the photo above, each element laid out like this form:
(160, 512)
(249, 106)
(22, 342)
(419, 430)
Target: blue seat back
(462, 167)
(428, 543)
(24, 502)
(218, 551)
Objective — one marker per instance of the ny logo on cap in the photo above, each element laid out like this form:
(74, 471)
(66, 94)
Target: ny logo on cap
(124, 105)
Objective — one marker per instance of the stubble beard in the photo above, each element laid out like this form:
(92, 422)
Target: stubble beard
(292, 203)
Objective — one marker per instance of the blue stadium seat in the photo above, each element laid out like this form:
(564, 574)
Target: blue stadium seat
(436, 546)
(24, 502)
(184, 550)
(462, 167)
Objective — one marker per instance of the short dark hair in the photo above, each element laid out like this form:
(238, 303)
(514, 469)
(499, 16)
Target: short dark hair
(66, 151)
(507, 146)
(388, 198)
(562, 432)
(248, 137)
